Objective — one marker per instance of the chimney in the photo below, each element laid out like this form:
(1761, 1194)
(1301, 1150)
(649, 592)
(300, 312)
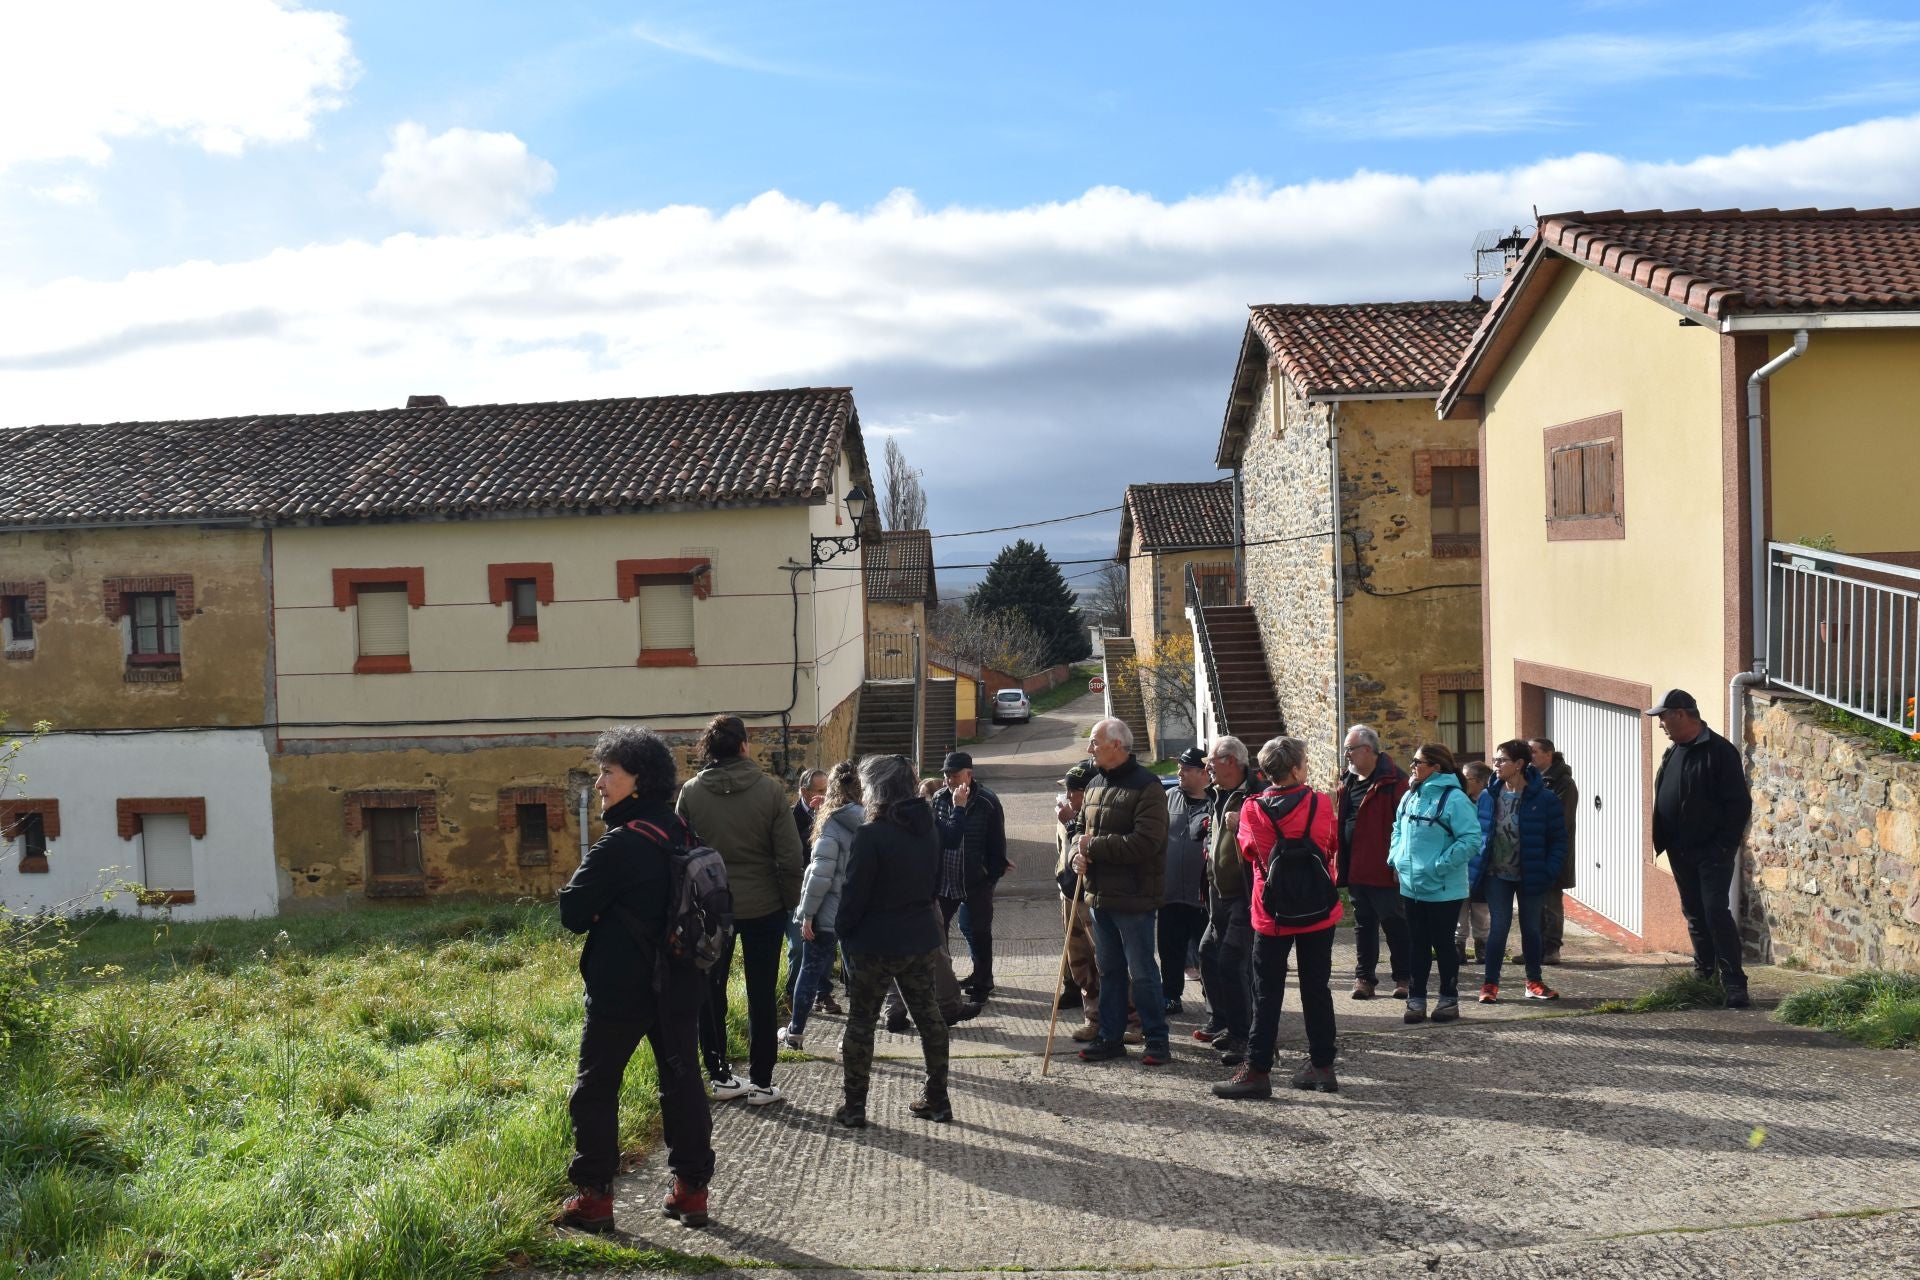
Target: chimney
(426, 402)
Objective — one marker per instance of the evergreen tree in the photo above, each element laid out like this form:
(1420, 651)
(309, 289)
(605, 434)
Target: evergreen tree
(1023, 580)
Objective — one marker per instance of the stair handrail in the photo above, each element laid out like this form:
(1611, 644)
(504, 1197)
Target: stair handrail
(1197, 612)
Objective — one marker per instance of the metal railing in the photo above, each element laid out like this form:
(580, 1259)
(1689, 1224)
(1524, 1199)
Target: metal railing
(1197, 612)
(891, 655)
(1845, 630)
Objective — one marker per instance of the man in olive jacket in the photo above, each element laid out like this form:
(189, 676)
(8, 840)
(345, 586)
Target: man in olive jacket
(1226, 949)
(738, 809)
(1122, 851)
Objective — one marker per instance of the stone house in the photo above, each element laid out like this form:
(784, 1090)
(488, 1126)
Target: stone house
(1330, 426)
(898, 579)
(1764, 367)
(1165, 529)
(369, 650)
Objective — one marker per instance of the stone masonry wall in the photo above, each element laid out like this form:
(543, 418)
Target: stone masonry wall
(1833, 853)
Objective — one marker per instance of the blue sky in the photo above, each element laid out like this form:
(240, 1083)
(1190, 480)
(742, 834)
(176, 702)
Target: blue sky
(1025, 234)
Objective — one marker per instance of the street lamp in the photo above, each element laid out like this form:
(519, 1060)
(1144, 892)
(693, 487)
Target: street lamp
(825, 549)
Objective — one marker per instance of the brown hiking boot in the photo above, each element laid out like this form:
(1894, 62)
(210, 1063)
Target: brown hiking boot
(589, 1209)
(1087, 1031)
(1246, 1083)
(1312, 1077)
(687, 1203)
(1363, 988)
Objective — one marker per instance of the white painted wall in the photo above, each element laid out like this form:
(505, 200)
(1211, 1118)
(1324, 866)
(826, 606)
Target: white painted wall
(233, 865)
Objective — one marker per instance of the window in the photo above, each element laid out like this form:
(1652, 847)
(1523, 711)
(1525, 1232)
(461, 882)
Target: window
(28, 830)
(380, 624)
(1583, 480)
(19, 620)
(526, 603)
(166, 858)
(534, 843)
(1215, 583)
(666, 590)
(393, 853)
(156, 628)
(23, 605)
(523, 588)
(1455, 503)
(1585, 476)
(1463, 723)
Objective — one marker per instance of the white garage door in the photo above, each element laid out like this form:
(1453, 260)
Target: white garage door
(1602, 745)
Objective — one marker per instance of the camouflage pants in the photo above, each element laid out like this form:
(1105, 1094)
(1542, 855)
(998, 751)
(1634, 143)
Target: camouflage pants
(1081, 970)
(868, 977)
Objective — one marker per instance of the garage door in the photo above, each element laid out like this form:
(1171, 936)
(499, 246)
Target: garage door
(1602, 745)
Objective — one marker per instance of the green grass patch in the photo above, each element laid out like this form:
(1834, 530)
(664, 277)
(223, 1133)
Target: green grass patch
(378, 1092)
(1165, 768)
(1876, 1008)
(1074, 686)
(1681, 991)
(1901, 743)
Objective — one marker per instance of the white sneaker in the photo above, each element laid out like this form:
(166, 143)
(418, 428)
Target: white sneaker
(760, 1095)
(790, 1039)
(728, 1087)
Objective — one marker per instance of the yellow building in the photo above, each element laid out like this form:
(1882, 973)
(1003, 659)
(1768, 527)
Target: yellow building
(1613, 376)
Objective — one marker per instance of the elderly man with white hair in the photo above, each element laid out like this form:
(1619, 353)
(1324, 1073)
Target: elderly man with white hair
(1226, 949)
(1122, 852)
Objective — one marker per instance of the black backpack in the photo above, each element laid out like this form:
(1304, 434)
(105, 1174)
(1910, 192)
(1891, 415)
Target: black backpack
(699, 925)
(1297, 891)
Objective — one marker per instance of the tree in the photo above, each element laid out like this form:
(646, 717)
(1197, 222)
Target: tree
(1024, 580)
(1002, 641)
(1106, 598)
(903, 503)
(1166, 680)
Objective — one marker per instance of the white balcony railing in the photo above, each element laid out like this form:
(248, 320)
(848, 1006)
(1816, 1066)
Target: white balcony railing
(1846, 631)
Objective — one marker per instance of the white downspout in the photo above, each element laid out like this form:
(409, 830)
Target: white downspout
(1339, 594)
(1757, 535)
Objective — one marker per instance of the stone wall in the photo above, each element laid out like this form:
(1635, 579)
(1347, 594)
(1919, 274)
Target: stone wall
(1832, 876)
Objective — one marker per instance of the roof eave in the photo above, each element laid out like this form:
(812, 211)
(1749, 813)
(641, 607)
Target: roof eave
(1770, 322)
(1242, 399)
(1337, 397)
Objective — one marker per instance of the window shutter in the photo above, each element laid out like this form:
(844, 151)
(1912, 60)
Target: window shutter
(382, 622)
(166, 848)
(666, 615)
(1597, 465)
(1567, 488)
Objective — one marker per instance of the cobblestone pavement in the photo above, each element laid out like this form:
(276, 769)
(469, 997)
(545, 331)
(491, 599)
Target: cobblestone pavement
(1518, 1142)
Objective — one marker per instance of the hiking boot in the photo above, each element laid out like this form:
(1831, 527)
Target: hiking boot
(1233, 1050)
(1175, 1007)
(976, 994)
(966, 1011)
(1087, 1031)
(899, 1023)
(1208, 1034)
(790, 1039)
(1133, 1034)
(1246, 1083)
(1363, 988)
(1312, 1077)
(1416, 1010)
(1541, 991)
(827, 1004)
(687, 1203)
(588, 1209)
(726, 1088)
(1489, 992)
(1400, 990)
(1447, 1010)
(851, 1116)
(1158, 1054)
(1552, 957)
(1737, 998)
(1480, 954)
(1102, 1051)
(938, 1110)
(1072, 999)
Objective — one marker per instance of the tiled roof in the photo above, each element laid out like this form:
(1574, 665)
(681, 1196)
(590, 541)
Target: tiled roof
(735, 449)
(1171, 517)
(899, 566)
(1367, 348)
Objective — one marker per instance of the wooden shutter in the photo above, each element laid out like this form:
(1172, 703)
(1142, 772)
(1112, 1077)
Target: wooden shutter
(1568, 489)
(1597, 478)
(666, 615)
(382, 620)
(166, 852)
(393, 843)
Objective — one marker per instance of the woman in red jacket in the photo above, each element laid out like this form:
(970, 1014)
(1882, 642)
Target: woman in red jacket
(1288, 833)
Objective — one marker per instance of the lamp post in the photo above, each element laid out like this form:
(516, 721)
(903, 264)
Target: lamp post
(825, 549)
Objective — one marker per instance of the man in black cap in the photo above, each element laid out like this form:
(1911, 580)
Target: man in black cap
(1183, 912)
(973, 857)
(1700, 809)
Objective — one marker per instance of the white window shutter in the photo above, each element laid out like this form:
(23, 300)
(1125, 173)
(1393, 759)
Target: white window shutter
(382, 622)
(166, 851)
(666, 616)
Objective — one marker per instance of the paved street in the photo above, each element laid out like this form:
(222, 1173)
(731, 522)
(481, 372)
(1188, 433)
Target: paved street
(1519, 1142)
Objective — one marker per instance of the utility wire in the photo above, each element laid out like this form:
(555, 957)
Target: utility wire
(1031, 524)
(1144, 555)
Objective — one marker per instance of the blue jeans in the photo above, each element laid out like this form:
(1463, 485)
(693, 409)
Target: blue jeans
(1500, 899)
(796, 960)
(1124, 950)
(816, 964)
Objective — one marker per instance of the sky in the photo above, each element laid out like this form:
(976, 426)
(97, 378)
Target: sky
(1026, 235)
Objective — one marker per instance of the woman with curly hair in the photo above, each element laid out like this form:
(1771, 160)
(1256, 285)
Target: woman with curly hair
(834, 825)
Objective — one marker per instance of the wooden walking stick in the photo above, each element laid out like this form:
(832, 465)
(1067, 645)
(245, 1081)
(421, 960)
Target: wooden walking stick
(1060, 980)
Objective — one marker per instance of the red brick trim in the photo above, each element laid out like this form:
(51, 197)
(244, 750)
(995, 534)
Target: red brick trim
(32, 865)
(631, 575)
(11, 811)
(511, 798)
(667, 658)
(155, 673)
(1433, 682)
(113, 593)
(498, 575)
(1425, 460)
(165, 897)
(36, 594)
(128, 812)
(383, 664)
(346, 582)
(1605, 426)
(356, 803)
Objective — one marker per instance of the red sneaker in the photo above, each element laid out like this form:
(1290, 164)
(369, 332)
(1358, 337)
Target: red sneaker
(589, 1210)
(1207, 1035)
(1541, 991)
(1489, 993)
(686, 1202)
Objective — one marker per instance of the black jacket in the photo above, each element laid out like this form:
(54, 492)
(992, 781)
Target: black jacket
(1714, 801)
(886, 907)
(624, 869)
(985, 836)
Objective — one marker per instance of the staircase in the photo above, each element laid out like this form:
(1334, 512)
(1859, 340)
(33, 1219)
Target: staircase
(1123, 690)
(1249, 708)
(885, 727)
(938, 737)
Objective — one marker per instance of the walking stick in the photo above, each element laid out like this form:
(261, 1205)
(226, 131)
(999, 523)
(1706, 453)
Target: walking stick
(1060, 980)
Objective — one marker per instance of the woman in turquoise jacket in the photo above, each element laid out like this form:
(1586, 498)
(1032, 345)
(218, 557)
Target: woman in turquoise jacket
(1436, 833)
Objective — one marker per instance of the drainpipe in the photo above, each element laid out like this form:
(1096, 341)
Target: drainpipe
(1339, 593)
(1757, 533)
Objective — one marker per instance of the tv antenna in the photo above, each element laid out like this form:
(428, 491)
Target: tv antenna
(1500, 250)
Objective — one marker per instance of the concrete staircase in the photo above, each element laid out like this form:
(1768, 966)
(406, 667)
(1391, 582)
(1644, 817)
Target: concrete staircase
(1123, 691)
(938, 738)
(885, 726)
(1248, 702)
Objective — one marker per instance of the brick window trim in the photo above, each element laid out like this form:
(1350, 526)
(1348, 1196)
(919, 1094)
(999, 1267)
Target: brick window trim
(667, 658)
(348, 582)
(1605, 426)
(355, 804)
(631, 575)
(1433, 682)
(1425, 460)
(12, 811)
(114, 593)
(128, 811)
(36, 596)
(499, 575)
(511, 798)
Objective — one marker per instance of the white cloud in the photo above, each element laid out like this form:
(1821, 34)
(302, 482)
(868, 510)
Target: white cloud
(71, 191)
(460, 180)
(79, 75)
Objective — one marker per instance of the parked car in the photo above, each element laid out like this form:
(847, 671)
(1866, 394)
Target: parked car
(1011, 704)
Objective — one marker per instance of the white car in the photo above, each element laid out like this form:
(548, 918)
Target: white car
(1011, 704)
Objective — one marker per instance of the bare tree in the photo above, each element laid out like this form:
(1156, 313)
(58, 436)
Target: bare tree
(1004, 641)
(1106, 597)
(903, 503)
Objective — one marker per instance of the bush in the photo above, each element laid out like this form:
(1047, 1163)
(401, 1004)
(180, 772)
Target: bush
(1682, 991)
(1876, 1008)
(30, 948)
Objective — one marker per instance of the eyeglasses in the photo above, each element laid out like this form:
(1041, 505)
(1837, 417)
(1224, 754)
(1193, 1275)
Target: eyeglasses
(1358, 746)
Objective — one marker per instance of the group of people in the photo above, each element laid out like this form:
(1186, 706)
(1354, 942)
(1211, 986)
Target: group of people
(1240, 867)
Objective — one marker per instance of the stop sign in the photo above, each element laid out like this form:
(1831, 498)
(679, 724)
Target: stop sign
(1097, 685)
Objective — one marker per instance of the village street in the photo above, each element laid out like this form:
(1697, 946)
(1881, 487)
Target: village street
(1519, 1142)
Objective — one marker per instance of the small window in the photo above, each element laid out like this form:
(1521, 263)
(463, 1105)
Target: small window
(534, 842)
(156, 627)
(19, 621)
(666, 624)
(526, 602)
(1586, 477)
(30, 834)
(166, 858)
(1455, 506)
(1463, 723)
(1583, 480)
(393, 851)
(381, 626)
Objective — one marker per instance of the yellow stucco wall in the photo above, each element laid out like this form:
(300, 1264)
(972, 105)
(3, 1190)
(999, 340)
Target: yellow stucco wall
(1646, 608)
(889, 615)
(966, 698)
(1845, 439)
(837, 602)
(76, 678)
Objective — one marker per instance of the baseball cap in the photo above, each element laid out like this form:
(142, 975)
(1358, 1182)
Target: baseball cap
(1193, 758)
(956, 760)
(1676, 700)
(1078, 776)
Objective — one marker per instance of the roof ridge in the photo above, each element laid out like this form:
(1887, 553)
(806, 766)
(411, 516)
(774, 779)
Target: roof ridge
(1806, 214)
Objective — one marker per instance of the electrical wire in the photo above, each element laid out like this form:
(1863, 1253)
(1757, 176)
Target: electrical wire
(1031, 524)
(1144, 555)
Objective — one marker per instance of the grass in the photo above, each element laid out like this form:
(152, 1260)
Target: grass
(1074, 686)
(1906, 744)
(374, 1093)
(1876, 1008)
(1686, 990)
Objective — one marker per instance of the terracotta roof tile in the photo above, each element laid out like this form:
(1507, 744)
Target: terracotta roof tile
(1367, 348)
(1174, 516)
(899, 566)
(742, 448)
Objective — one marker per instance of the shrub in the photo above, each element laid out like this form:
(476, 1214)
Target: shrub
(1681, 991)
(118, 1047)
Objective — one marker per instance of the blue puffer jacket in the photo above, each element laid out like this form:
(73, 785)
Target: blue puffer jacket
(1435, 835)
(1543, 834)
